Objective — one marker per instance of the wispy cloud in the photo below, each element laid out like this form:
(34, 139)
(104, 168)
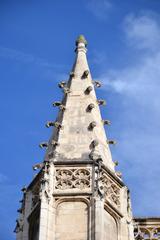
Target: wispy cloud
(141, 79)
(143, 32)
(3, 178)
(138, 87)
(17, 55)
(99, 8)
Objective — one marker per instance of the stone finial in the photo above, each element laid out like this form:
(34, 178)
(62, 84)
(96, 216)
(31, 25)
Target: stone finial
(81, 39)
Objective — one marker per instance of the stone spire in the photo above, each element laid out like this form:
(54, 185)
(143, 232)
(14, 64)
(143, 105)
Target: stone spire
(79, 129)
(76, 194)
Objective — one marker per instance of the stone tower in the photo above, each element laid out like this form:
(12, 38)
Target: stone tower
(77, 194)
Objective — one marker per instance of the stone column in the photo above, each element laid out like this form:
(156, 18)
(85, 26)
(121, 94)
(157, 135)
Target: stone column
(99, 219)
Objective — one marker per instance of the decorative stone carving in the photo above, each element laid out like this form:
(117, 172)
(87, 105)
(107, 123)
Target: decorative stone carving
(62, 84)
(60, 105)
(66, 90)
(49, 124)
(56, 104)
(111, 190)
(72, 74)
(111, 142)
(73, 178)
(94, 143)
(54, 143)
(99, 188)
(92, 125)
(43, 145)
(19, 226)
(95, 155)
(90, 107)
(147, 233)
(101, 102)
(106, 122)
(116, 163)
(85, 74)
(38, 166)
(53, 124)
(88, 90)
(97, 84)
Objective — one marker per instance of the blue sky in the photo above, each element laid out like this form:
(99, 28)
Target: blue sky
(37, 51)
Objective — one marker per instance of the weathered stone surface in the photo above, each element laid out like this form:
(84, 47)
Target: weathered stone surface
(72, 221)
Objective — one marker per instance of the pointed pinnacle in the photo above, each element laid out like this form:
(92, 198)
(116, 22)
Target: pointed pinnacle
(81, 39)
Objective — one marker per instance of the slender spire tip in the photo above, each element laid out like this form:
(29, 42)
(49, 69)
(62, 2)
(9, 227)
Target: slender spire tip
(81, 39)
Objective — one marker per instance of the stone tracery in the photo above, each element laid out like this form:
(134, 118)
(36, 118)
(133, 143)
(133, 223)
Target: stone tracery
(111, 190)
(147, 233)
(71, 178)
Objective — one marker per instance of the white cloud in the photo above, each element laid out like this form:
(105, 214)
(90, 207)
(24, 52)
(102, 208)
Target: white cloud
(140, 80)
(17, 55)
(99, 8)
(137, 85)
(143, 32)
